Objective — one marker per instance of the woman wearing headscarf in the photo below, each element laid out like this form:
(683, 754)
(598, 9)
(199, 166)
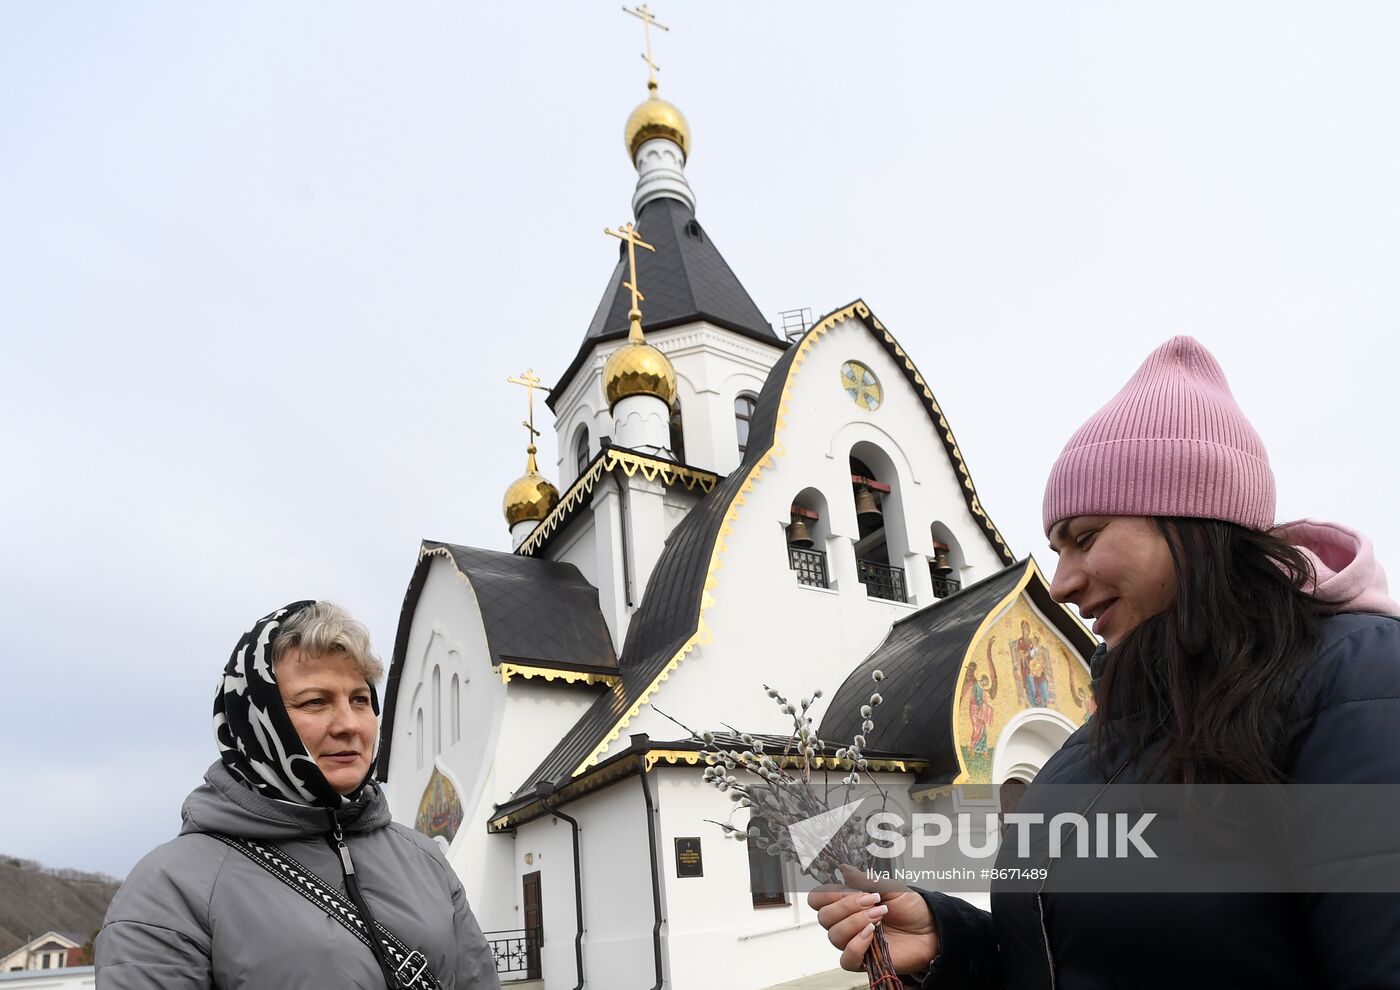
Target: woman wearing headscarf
(1235, 651)
(287, 860)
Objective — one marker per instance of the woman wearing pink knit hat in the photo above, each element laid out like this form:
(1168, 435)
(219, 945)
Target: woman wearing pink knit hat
(1235, 651)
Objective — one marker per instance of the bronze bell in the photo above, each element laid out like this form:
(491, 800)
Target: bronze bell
(867, 509)
(799, 534)
(941, 565)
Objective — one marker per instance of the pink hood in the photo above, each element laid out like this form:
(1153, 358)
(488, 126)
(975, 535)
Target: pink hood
(1347, 573)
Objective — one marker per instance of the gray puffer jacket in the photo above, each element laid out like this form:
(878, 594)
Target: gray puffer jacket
(196, 913)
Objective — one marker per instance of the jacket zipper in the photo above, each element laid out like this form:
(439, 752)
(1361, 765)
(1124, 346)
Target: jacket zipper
(352, 888)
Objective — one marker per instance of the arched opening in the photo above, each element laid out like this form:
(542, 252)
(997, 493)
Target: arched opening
(1027, 742)
(677, 432)
(946, 565)
(456, 732)
(744, 405)
(418, 735)
(882, 542)
(581, 453)
(437, 710)
(808, 530)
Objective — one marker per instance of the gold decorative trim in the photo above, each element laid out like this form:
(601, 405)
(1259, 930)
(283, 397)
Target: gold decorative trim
(509, 670)
(691, 757)
(590, 782)
(932, 793)
(703, 634)
(630, 462)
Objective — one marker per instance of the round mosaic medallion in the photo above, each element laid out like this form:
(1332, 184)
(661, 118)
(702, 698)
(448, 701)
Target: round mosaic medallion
(861, 385)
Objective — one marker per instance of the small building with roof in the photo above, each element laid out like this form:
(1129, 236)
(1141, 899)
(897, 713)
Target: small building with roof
(51, 950)
(733, 508)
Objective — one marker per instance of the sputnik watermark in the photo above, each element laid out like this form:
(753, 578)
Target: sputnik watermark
(1099, 836)
(1087, 838)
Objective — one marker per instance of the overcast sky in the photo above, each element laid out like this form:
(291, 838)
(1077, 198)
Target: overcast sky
(265, 268)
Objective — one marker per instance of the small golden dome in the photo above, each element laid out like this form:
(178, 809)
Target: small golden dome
(637, 368)
(657, 118)
(530, 498)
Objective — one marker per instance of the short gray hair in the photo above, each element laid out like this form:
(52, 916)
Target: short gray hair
(325, 628)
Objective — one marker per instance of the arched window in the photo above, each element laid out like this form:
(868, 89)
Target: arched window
(581, 451)
(437, 710)
(744, 404)
(456, 708)
(882, 543)
(418, 733)
(946, 564)
(807, 531)
(677, 432)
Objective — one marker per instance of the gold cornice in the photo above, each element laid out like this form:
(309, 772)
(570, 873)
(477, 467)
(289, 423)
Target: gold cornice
(609, 460)
(509, 670)
(645, 761)
(933, 792)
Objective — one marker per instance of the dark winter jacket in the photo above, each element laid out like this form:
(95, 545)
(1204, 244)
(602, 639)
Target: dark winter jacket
(198, 914)
(1347, 731)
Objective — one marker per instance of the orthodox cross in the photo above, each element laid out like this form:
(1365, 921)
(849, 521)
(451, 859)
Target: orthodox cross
(531, 381)
(634, 240)
(648, 21)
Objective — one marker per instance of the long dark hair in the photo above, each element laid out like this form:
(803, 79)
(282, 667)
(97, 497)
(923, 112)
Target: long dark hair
(1205, 686)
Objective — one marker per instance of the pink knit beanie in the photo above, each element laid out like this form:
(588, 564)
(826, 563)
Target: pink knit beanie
(1171, 443)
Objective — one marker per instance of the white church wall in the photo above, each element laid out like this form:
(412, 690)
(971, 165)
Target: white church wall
(446, 635)
(678, 504)
(712, 367)
(578, 545)
(580, 405)
(715, 933)
(545, 845)
(618, 907)
(765, 626)
(536, 713)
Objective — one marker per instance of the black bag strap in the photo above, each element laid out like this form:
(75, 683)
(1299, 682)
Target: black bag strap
(402, 967)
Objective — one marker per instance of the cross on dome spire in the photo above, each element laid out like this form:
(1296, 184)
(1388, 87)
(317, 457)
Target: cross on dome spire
(531, 381)
(633, 237)
(648, 20)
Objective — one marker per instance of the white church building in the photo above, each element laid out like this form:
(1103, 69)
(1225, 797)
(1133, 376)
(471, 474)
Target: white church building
(737, 508)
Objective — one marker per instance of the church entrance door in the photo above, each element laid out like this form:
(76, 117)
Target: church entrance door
(534, 924)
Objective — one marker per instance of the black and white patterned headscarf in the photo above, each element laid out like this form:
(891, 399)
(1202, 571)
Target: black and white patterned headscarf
(257, 741)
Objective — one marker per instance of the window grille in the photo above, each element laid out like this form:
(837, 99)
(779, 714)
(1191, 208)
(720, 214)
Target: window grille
(810, 566)
(882, 580)
(943, 586)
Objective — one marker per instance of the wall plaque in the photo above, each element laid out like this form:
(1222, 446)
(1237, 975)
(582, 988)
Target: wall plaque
(688, 860)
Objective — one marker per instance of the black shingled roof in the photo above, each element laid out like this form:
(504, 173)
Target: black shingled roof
(670, 609)
(540, 612)
(685, 279)
(921, 659)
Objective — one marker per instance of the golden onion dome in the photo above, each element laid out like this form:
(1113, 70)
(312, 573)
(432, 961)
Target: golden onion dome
(531, 497)
(657, 118)
(637, 368)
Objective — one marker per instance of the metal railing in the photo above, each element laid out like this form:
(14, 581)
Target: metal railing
(516, 950)
(882, 580)
(810, 566)
(945, 586)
